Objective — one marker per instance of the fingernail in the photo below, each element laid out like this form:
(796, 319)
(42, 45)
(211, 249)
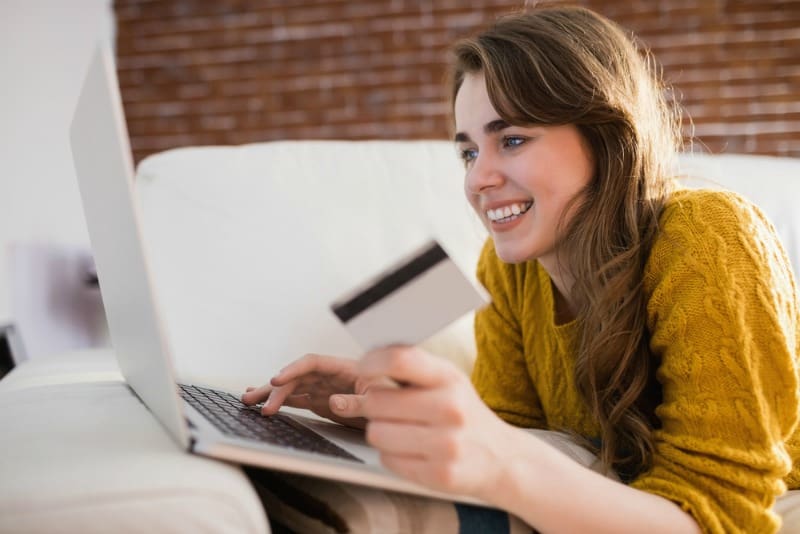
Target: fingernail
(339, 403)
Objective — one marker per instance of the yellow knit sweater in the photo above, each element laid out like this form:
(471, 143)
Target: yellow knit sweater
(724, 329)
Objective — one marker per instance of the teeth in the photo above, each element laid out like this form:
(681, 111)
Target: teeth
(501, 214)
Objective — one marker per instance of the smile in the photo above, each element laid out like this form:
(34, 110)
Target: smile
(508, 213)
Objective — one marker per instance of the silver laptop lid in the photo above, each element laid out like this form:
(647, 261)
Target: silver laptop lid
(104, 166)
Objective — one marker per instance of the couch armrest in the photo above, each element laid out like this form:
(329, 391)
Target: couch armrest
(80, 453)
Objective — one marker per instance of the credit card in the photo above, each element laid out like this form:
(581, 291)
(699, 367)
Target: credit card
(410, 300)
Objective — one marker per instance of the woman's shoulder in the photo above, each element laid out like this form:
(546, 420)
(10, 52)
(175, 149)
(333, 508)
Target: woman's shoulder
(694, 213)
(713, 227)
(707, 205)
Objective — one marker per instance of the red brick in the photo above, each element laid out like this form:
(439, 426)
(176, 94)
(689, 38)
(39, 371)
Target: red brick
(238, 71)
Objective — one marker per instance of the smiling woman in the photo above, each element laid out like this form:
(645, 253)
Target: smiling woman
(593, 141)
(657, 326)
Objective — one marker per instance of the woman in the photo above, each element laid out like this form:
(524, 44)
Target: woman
(659, 325)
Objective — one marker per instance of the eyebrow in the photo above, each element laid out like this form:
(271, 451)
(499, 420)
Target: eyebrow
(489, 128)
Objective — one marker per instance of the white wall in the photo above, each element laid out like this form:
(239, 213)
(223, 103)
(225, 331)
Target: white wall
(46, 46)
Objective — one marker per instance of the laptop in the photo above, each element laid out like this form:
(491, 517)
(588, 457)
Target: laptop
(230, 431)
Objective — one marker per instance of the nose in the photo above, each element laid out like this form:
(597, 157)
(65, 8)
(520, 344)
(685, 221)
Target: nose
(485, 173)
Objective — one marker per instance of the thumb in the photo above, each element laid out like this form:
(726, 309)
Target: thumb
(347, 405)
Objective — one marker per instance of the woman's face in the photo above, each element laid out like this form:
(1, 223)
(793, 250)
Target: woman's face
(518, 179)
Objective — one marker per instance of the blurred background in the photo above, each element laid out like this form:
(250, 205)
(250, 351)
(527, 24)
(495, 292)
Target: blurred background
(197, 72)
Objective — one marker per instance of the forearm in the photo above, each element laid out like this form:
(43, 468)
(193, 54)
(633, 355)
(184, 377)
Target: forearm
(555, 494)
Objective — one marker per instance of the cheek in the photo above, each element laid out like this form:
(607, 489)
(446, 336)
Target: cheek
(565, 178)
(472, 199)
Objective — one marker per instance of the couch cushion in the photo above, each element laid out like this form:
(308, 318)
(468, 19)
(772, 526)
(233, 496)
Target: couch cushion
(79, 452)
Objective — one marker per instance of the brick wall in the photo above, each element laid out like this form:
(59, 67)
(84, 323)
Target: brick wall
(236, 71)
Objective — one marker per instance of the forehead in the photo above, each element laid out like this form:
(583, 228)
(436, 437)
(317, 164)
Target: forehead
(472, 108)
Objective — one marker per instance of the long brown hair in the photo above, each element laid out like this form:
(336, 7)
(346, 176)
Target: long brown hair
(569, 65)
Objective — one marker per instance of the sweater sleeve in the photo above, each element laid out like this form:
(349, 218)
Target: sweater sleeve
(723, 318)
(500, 374)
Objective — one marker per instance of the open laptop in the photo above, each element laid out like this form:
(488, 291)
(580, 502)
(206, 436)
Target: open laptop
(232, 432)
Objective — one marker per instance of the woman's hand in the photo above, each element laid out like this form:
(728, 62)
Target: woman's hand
(317, 383)
(434, 430)
(420, 411)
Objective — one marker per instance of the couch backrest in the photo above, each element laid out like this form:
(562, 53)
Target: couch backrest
(250, 244)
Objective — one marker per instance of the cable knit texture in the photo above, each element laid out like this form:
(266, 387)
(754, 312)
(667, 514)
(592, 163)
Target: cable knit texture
(724, 329)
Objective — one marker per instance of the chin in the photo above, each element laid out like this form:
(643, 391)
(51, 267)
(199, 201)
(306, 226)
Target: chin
(511, 252)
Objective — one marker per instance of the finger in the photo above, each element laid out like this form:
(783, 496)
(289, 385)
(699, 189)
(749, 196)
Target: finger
(276, 398)
(409, 467)
(255, 395)
(366, 383)
(444, 472)
(422, 471)
(408, 365)
(311, 363)
(404, 439)
(347, 406)
(428, 406)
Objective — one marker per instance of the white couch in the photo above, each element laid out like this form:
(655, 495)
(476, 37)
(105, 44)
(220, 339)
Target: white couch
(248, 247)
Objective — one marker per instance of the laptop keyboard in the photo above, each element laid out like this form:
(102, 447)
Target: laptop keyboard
(234, 418)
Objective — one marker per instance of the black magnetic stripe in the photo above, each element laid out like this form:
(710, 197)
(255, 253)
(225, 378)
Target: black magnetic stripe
(390, 283)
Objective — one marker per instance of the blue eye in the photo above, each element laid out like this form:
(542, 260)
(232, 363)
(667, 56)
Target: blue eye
(468, 154)
(512, 141)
